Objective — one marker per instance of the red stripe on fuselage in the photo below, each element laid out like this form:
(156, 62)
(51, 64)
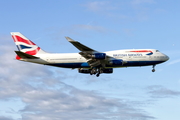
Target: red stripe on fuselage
(142, 51)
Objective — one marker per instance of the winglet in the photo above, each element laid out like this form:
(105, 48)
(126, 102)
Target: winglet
(69, 39)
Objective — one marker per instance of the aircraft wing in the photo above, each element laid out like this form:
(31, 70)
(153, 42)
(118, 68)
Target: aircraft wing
(79, 46)
(94, 58)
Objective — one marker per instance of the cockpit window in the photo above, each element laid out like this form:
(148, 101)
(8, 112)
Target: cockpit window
(157, 50)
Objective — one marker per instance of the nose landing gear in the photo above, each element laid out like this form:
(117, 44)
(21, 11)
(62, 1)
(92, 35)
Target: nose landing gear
(153, 70)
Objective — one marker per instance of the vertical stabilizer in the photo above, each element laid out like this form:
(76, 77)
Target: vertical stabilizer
(25, 45)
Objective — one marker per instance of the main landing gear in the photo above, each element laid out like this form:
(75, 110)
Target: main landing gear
(153, 70)
(96, 71)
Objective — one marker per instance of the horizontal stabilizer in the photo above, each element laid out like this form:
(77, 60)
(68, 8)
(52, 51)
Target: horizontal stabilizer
(25, 56)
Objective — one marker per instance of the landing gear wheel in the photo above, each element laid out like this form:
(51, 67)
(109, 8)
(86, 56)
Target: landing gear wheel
(97, 75)
(93, 71)
(96, 71)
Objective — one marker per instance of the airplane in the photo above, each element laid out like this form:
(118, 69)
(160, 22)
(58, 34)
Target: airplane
(88, 60)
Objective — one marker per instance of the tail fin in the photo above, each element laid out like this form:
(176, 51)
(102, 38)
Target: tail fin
(25, 45)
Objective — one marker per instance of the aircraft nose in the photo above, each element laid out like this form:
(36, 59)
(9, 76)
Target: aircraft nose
(167, 58)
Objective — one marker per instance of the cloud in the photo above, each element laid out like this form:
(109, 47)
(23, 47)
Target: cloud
(118, 11)
(5, 118)
(77, 105)
(107, 9)
(46, 97)
(158, 91)
(98, 6)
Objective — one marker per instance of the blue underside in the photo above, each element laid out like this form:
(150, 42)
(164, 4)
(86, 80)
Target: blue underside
(86, 65)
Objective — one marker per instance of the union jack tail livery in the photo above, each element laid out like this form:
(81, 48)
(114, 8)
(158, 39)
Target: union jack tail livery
(25, 46)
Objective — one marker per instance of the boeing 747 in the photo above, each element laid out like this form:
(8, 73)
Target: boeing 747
(88, 60)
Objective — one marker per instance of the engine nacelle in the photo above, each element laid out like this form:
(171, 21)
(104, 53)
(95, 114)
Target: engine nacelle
(88, 71)
(99, 55)
(109, 70)
(85, 71)
(116, 62)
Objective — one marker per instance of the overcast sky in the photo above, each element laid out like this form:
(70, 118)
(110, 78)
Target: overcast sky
(35, 92)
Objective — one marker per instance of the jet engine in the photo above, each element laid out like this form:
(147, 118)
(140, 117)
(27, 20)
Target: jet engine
(116, 62)
(83, 70)
(109, 70)
(88, 71)
(98, 55)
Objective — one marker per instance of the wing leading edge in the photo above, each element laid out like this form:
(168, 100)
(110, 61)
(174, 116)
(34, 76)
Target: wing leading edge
(93, 57)
(79, 46)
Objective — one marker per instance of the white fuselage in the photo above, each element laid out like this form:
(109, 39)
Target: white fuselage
(132, 57)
